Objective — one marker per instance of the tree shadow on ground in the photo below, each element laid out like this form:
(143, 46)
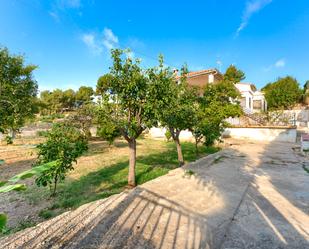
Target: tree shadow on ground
(222, 205)
(112, 179)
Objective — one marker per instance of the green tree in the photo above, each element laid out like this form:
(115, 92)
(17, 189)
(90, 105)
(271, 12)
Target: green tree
(18, 91)
(127, 103)
(234, 74)
(84, 95)
(217, 104)
(83, 118)
(64, 144)
(283, 93)
(103, 83)
(68, 99)
(176, 108)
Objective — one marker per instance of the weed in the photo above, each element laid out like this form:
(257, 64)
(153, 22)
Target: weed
(46, 214)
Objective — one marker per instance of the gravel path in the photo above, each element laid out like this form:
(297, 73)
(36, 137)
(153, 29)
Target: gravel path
(247, 196)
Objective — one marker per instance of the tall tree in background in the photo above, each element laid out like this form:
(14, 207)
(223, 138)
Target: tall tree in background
(233, 74)
(283, 93)
(127, 103)
(18, 91)
(68, 99)
(84, 95)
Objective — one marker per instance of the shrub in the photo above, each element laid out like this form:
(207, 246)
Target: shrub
(46, 214)
(64, 145)
(108, 131)
(41, 133)
(9, 140)
(3, 220)
(168, 135)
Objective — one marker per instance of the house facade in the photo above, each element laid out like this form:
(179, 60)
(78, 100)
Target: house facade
(200, 79)
(252, 100)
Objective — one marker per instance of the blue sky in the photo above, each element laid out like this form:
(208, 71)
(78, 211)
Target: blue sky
(70, 39)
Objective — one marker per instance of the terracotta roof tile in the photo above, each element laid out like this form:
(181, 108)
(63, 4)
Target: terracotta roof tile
(200, 72)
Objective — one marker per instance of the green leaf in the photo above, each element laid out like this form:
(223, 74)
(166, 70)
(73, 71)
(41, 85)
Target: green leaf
(3, 220)
(2, 161)
(15, 187)
(34, 171)
(2, 183)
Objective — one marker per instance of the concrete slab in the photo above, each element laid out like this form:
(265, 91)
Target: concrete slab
(247, 196)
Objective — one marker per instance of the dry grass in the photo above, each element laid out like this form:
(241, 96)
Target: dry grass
(99, 173)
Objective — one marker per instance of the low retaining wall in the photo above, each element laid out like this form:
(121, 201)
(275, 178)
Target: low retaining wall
(157, 132)
(281, 134)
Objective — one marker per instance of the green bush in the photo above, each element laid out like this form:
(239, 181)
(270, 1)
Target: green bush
(3, 220)
(8, 139)
(46, 214)
(168, 135)
(41, 133)
(64, 144)
(108, 132)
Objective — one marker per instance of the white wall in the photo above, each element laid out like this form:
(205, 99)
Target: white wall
(262, 134)
(160, 133)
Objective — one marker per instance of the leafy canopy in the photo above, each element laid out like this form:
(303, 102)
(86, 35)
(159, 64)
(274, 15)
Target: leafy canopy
(127, 97)
(217, 104)
(283, 93)
(234, 74)
(18, 91)
(64, 144)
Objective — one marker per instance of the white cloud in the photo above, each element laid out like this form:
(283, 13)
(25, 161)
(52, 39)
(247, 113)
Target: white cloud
(54, 15)
(92, 44)
(252, 7)
(59, 7)
(98, 42)
(280, 63)
(110, 40)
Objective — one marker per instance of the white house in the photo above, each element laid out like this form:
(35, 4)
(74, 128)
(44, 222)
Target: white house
(251, 99)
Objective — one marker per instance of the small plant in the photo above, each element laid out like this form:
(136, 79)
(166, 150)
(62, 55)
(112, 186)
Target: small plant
(168, 135)
(108, 131)
(3, 220)
(189, 172)
(46, 214)
(8, 139)
(41, 133)
(64, 144)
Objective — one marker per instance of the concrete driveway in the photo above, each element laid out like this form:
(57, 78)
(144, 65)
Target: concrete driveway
(250, 195)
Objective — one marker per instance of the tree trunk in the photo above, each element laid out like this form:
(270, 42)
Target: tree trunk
(179, 151)
(132, 162)
(196, 147)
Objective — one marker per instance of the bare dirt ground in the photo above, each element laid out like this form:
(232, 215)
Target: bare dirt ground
(252, 195)
(18, 158)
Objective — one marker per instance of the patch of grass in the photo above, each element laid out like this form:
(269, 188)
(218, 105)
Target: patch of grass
(46, 214)
(21, 226)
(306, 168)
(103, 171)
(152, 162)
(189, 172)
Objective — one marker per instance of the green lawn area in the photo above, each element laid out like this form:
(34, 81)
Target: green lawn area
(103, 171)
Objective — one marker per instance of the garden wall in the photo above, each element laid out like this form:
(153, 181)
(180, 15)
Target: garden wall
(281, 134)
(160, 133)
